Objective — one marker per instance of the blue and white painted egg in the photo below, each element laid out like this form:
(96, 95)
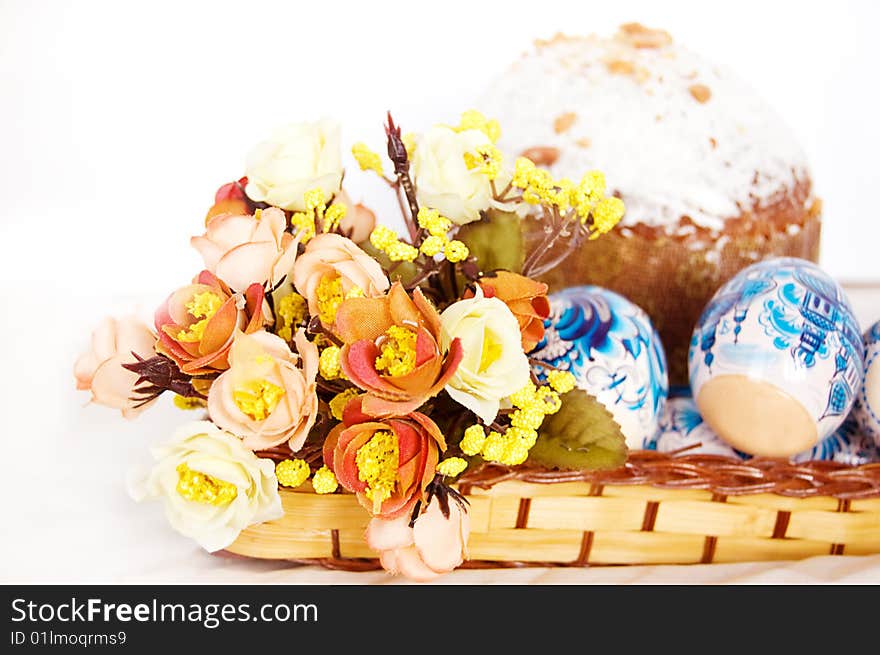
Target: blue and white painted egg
(866, 412)
(614, 352)
(849, 445)
(682, 427)
(776, 358)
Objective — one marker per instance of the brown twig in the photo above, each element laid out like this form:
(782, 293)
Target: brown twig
(404, 211)
(399, 157)
(541, 364)
(453, 281)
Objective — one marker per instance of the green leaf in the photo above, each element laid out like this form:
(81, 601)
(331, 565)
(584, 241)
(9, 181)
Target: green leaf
(582, 435)
(403, 271)
(496, 241)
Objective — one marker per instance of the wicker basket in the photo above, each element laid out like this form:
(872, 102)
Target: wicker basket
(658, 509)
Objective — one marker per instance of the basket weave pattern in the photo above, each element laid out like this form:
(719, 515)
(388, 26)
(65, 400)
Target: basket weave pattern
(658, 509)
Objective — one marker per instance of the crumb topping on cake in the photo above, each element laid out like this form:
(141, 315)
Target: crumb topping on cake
(676, 135)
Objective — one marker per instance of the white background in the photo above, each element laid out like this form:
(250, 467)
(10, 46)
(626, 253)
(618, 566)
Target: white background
(118, 121)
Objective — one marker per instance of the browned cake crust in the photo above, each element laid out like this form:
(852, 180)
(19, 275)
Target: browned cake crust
(630, 261)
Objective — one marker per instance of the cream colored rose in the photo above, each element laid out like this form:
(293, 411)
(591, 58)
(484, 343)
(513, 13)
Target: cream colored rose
(296, 159)
(443, 180)
(100, 371)
(267, 396)
(494, 364)
(243, 250)
(333, 268)
(213, 487)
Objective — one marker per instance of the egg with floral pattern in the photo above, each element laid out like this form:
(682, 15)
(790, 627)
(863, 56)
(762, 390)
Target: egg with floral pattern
(849, 445)
(777, 358)
(612, 349)
(866, 412)
(682, 428)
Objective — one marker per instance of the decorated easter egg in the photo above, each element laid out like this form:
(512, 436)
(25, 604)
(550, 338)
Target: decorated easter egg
(866, 412)
(849, 445)
(682, 428)
(776, 359)
(614, 352)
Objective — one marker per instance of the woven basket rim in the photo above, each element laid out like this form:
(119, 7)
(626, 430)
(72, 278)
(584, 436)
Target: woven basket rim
(721, 475)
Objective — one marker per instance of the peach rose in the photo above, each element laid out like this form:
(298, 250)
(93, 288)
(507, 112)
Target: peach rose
(388, 463)
(333, 268)
(526, 299)
(392, 350)
(196, 324)
(435, 544)
(268, 394)
(100, 371)
(230, 199)
(243, 250)
(359, 220)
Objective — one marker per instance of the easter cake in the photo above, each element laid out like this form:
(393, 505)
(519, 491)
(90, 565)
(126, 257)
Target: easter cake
(712, 178)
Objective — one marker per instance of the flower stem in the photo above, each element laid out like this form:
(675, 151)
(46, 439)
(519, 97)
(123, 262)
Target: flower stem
(531, 266)
(400, 158)
(500, 197)
(538, 362)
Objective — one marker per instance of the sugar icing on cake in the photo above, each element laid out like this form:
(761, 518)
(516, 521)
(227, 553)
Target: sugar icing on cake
(675, 134)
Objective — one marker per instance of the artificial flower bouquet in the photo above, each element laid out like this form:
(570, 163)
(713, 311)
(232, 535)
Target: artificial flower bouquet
(331, 351)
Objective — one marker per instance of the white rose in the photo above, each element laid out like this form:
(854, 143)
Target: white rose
(494, 364)
(443, 180)
(298, 158)
(212, 486)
